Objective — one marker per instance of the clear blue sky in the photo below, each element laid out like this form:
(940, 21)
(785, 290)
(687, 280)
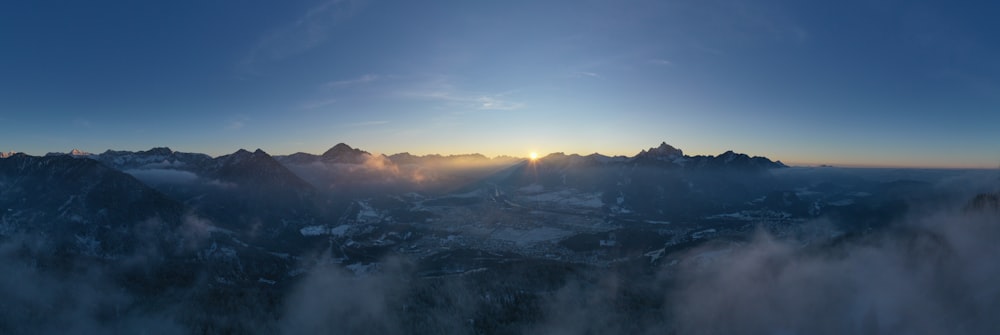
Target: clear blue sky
(838, 82)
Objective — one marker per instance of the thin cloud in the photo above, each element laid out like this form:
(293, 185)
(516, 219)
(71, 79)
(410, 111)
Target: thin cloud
(661, 62)
(365, 79)
(235, 125)
(309, 31)
(442, 90)
(365, 123)
(478, 102)
(586, 74)
(493, 103)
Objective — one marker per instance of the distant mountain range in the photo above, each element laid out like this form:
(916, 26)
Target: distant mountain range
(343, 168)
(99, 199)
(345, 154)
(278, 194)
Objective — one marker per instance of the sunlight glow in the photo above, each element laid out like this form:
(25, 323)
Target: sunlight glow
(533, 156)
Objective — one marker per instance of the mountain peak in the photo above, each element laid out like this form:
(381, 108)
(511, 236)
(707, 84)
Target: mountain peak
(344, 153)
(663, 152)
(158, 151)
(78, 152)
(339, 149)
(243, 155)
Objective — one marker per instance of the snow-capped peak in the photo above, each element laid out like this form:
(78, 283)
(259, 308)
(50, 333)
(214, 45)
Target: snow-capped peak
(78, 152)
(159, 151)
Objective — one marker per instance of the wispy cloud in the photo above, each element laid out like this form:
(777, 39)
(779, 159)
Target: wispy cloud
(309, 31)
(661, 62)
(364, 124)
(581, 74)
(469, 101)
(496, 103)
(441, 89)
(365, 79)
(235, 125)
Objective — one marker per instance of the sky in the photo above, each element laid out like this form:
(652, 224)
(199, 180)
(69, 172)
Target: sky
(870, 83)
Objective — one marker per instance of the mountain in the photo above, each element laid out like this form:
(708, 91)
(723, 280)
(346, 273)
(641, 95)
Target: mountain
(663, 153)
(659, 182)
(732, 160)
(346, 170)
(248, 193)
(78, 229)
(253, 194)
(256, 169)
(84, 206)
(155, 158)
(668, 156)
(78, 152)
(250, 169)
(665, 156)
(343, 153)
(187, 237)
(73, 153)
(338, 154)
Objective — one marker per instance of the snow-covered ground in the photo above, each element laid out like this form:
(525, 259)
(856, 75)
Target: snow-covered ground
(324, 230)
(842, 202)
(752, 215)
(565, 198)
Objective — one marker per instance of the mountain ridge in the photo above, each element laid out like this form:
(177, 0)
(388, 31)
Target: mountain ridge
(344, 153)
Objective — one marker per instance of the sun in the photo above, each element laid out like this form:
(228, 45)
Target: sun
(533, 156)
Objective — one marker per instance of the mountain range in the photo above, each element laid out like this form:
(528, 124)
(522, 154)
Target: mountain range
(250, 232)
(99, 199)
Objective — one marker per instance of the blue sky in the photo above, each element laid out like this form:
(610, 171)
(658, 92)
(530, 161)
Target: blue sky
(853, 83)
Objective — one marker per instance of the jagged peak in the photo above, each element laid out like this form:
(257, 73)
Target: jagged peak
(243, 153)
(78, 152)
(729, 154)
(662, 152)
(162, 151)
(244, 156)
